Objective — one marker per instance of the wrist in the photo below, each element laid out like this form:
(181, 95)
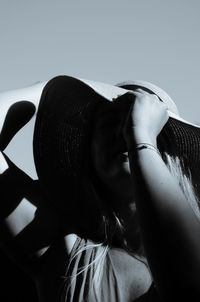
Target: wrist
(143, 146)
(139, 137)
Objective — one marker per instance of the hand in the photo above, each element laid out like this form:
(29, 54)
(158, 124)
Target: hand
(145, 120)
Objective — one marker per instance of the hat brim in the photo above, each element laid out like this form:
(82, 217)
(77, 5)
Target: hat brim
(179, 137)
(63, 132)
(111, 92)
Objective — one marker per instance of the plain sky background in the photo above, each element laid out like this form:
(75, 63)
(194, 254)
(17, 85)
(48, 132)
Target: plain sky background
(107, 41)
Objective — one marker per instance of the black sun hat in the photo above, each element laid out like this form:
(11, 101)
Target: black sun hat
(63, 130)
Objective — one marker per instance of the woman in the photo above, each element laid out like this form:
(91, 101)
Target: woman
(85, 241)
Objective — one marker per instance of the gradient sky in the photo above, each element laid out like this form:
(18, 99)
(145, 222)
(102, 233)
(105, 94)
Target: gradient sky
(108, 41)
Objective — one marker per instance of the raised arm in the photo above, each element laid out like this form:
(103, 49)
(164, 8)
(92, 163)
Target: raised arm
(170, 228)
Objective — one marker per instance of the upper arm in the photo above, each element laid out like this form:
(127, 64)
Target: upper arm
(170, 229)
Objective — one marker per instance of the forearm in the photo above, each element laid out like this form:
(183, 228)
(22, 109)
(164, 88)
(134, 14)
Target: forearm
(170, 229)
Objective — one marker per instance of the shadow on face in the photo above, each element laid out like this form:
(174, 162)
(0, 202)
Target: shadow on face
(109, 153)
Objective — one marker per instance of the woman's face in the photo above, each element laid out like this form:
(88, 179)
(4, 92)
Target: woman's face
(109, 152)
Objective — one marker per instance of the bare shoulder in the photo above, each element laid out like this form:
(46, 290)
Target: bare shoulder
(69, 241)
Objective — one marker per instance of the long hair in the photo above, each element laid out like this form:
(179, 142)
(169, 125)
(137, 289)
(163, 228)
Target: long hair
(177, 169)
(96, 266)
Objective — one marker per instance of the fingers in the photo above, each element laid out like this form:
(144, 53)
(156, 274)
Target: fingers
(130, 96)
(152, 96)
(145, 100)
(140, 90)
(150, 93)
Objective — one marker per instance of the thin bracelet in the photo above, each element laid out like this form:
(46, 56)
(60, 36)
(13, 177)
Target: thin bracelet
(144, 146)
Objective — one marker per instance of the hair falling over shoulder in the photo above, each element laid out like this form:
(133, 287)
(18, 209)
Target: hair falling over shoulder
(175, 166)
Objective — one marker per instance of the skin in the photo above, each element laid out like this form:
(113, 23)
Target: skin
(27, 235)
(110, 162)
(112, 138)
(170, 229)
